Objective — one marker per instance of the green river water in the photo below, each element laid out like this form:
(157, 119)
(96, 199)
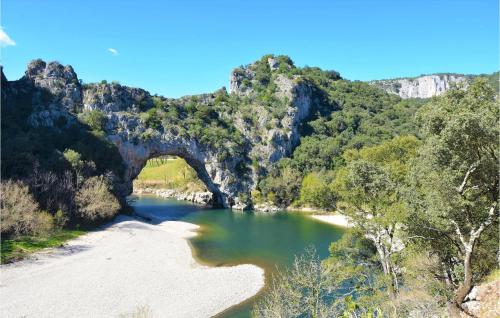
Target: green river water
(228, 238)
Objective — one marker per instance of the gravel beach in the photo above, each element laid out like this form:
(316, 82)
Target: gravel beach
(126, 265)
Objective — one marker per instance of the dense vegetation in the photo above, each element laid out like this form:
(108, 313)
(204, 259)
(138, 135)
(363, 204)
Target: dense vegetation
(425, 209)
(51, 177)
(356, 115)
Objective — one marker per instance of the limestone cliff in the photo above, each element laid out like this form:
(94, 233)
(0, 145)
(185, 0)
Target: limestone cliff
(230, 170)
(424, 86)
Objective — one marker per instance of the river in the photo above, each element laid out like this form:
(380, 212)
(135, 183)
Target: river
(229, 238)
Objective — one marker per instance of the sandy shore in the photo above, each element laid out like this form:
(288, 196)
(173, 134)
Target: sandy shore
(335, 219)
(126, 265)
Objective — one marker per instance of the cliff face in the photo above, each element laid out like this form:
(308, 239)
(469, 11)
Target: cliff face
(274, 137)
(58, 98)
(423, 86)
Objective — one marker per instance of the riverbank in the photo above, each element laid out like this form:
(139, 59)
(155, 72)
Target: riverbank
(198, 197)
(126, 265)
(19, 248)
(333, 218)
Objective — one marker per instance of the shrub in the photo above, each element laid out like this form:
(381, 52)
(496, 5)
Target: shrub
(282, 188)
(60, 219)
(96, 119)
(43, 223)
(256, 196)
(303, 290)
(74, 158)
(95, 201)
(19, 211)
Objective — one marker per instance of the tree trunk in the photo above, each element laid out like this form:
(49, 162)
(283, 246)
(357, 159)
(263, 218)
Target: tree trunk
(387, 267)
(466, 285)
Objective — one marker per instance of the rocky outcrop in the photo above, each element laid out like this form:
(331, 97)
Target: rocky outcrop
(54, 92)
(483, 300)
(268, 207)
(115, 97)
(219, 176)
(202, 198)
(273, 138)
(424, 86)
(253, 126)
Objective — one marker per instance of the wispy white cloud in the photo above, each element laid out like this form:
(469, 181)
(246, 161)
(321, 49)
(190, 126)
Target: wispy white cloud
(5, 40)
(114, 52)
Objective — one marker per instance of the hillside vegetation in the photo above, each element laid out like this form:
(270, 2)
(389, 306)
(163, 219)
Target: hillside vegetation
(425, 208)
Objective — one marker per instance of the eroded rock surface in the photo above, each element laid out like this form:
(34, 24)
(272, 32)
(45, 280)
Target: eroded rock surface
(424, 86)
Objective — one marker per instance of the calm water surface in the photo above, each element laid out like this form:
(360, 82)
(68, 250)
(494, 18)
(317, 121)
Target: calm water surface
(228, 237)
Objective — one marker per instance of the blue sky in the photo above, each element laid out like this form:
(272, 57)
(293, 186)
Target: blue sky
(185, 47)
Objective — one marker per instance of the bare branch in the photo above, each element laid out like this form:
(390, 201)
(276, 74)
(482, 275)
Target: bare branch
(459, 233)
(491, 213)
(471, 169)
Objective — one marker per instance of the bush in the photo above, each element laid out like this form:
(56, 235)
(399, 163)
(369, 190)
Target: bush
(20, 214)
(43, 223)
(74, 158)
(60, 219)
(95, 201)
(96, 119)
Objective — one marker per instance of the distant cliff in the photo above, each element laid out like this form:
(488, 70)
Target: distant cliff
(424, 86)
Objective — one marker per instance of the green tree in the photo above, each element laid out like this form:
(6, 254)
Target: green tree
(455, 182)
(316, 191)
(74, 158)
(282, 186)
(370, 189)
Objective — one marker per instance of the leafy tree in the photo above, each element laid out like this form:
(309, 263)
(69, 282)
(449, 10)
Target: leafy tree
(346, 284)
(74, 158)
(371, 193)
(455, 182)
(282, 186)
(358, 284)
(315, 190)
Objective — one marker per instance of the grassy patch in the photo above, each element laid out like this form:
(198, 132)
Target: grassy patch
(19, 248)
(174, 173)
(493, 276)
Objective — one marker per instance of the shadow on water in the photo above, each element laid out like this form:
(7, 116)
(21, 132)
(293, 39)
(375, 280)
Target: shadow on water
(228, 237)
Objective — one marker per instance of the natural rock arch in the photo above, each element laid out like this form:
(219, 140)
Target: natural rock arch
(56, 92)
(215, 174)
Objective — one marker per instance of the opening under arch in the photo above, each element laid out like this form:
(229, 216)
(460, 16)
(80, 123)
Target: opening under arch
(175, 177)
